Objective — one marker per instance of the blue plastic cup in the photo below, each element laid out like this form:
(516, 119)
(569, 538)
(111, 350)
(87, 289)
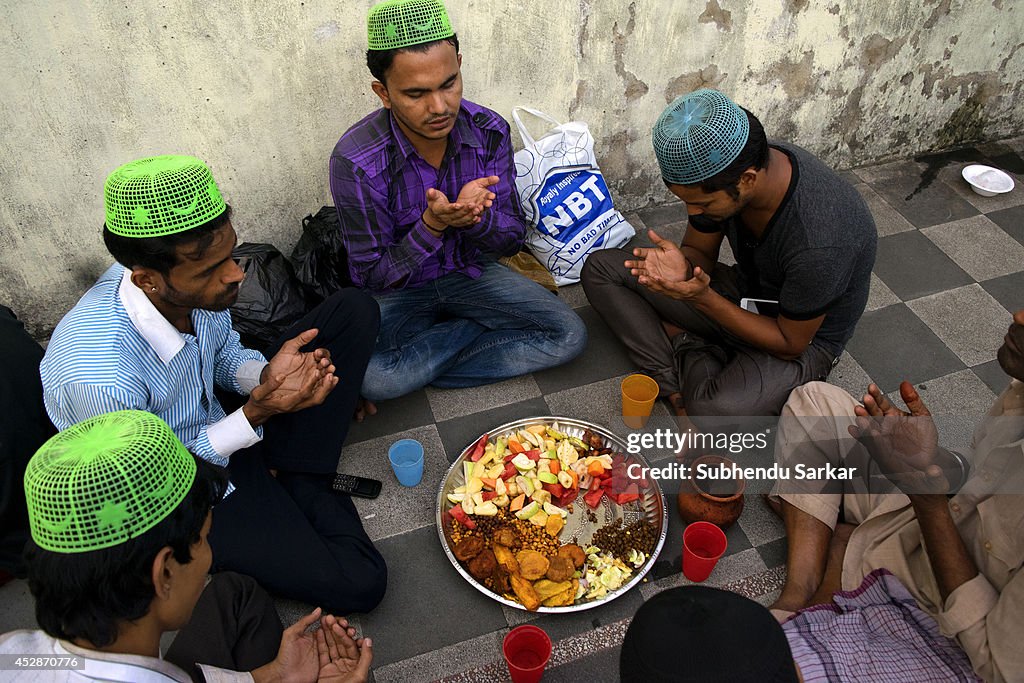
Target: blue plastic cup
(406, 456)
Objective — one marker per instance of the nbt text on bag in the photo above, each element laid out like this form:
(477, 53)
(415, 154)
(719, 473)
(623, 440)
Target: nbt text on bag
(565, 198)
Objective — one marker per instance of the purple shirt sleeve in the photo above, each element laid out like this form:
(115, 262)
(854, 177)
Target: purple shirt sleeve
(376, 261)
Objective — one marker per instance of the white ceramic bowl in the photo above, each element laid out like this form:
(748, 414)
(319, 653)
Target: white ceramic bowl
(987, 181)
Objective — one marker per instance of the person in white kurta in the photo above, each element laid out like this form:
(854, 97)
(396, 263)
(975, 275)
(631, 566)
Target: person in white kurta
(959, 555)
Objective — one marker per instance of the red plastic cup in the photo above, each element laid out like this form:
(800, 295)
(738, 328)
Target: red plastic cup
(527, 650)
(703, 544)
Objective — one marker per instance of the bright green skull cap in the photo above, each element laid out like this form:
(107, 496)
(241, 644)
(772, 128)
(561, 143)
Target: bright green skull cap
(698, 136)
(400, 23)
(160, 196)
(104, 481)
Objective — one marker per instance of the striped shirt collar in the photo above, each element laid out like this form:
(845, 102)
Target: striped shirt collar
(151, 324)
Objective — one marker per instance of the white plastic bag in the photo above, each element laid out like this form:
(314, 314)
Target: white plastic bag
(564, 197)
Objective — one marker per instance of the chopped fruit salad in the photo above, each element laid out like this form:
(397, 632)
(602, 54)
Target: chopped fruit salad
(537, 473)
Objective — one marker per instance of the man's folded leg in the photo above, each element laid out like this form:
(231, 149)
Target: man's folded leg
(527, 328)
(310, 440)
(420, 360)
(635, 314)
(297, 538)
(751, 382)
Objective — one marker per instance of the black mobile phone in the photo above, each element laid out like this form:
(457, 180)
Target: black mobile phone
(356, 486)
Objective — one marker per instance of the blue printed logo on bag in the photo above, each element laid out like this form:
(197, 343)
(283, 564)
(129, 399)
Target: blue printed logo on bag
(565, 198)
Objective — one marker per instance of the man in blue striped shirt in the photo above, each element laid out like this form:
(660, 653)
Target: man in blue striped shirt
(154, 333)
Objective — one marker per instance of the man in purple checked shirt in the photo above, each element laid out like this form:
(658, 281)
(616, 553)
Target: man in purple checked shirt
(425, 193)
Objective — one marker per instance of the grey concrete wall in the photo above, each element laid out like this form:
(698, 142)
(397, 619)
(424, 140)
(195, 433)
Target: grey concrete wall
(262, 90)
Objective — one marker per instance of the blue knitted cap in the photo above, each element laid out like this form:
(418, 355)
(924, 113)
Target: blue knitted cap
(698, 136)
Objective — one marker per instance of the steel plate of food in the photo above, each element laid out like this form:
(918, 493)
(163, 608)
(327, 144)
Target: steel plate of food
(542, 514)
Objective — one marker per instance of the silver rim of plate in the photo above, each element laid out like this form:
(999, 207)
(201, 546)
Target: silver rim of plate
(650, 506)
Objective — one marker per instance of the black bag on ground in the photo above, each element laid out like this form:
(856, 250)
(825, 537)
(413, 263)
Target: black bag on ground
(319, 257)
(270, 298)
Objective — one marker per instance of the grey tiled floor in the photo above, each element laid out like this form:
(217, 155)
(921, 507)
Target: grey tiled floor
(950, 269)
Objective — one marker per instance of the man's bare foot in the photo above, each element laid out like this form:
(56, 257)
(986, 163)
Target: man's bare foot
(807, 553)
(676, 402)
(363, 408)
(775, 505)
(671, 330)
(833, 579)
(793, 597)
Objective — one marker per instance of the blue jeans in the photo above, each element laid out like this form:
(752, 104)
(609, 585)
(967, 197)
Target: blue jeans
(461, 332)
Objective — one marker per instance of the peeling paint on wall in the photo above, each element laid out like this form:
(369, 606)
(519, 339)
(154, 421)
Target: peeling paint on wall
(708, 77)
(966, 124)
(878, 49)
(798, 78)
(584, 35)
(577, 100)
(846, 126)
(634, 87)
(942, 10)
(613, 153)
(714, 14)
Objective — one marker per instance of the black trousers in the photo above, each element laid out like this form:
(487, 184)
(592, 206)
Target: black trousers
(24, 427)
(716, 373)
(233, 626)
(292, 533)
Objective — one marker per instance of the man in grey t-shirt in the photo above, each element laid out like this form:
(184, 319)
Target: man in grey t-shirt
(802, 238)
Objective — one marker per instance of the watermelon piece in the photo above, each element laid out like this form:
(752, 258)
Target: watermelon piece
(593, 499)
(478, 448)
(556, 490)
(462, 518)
(510, 471)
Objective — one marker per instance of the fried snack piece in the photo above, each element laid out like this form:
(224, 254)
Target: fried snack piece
(532, 565)
(561, 568)
(505, 537)
(506, 560)
(574, 553)
(525, 592)
(546, 589)
(468, 548)
(483, 565)
(554, 525)
(566, 597)
(500, 581)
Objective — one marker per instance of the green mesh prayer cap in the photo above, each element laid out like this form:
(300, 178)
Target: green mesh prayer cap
(400, 23)
(104, 481)
(698, 136)
(160, 196)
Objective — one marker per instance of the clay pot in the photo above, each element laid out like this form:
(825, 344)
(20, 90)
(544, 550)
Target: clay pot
(719, 501)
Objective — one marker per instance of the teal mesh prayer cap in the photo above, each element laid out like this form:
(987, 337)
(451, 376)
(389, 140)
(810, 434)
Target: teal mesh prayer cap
(698, 136)
(160, 196)
(104, 481)
(400, 23)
